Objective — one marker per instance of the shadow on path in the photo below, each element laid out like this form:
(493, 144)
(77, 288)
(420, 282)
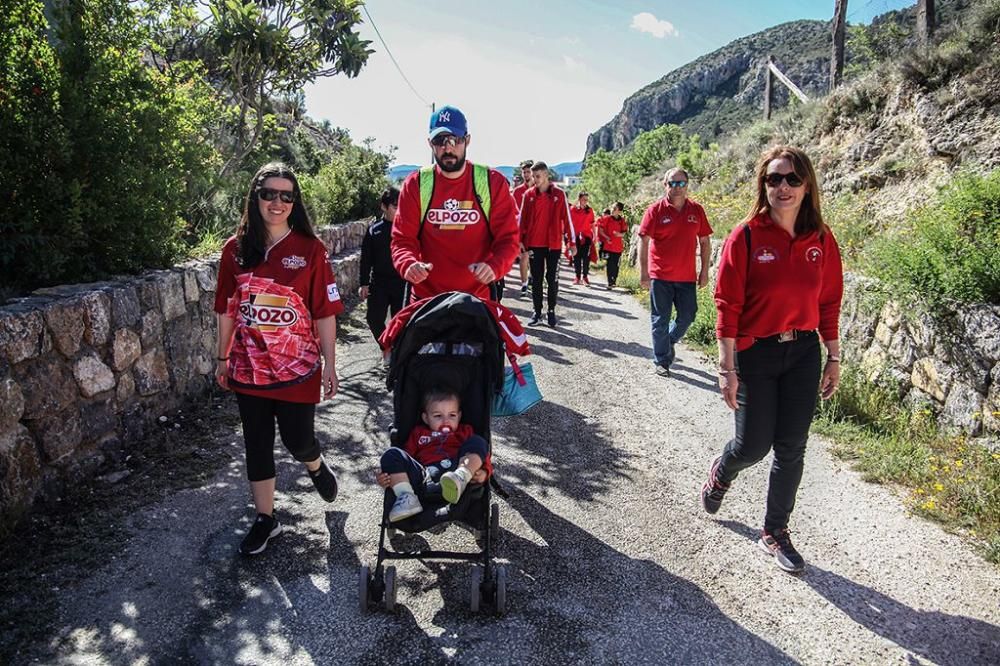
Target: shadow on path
(932, 635)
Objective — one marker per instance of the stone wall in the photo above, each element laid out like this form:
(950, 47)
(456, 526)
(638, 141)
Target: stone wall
(85, 368)
(949, 364)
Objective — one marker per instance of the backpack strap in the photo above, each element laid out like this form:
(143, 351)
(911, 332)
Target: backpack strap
(746, 236)
(481, 183)
(426, 194)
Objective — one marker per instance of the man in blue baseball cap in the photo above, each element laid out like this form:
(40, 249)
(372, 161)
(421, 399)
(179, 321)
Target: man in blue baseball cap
(456, 224)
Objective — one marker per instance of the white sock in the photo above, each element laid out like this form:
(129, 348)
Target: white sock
(402, 488)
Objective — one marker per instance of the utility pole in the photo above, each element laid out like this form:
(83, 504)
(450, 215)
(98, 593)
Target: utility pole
(837, 58)
(768, 76)
(925, 21)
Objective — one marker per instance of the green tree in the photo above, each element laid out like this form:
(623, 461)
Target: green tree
(100, 149)
(258, 51)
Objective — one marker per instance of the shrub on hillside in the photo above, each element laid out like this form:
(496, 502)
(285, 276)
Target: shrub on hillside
(348, 186)
(98, 148)
(952, 251)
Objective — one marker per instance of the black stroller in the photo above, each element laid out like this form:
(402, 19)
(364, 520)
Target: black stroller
(452, 341)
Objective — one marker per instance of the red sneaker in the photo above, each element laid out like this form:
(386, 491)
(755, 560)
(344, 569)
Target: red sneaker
(576, 280)
(586, 281)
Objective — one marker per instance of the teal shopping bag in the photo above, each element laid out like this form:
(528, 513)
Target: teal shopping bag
(520, 392)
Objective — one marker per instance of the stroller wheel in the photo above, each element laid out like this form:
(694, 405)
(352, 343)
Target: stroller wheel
(390, 588)
(500, 599)
(475, 593)
(363, 579)
(495, 523)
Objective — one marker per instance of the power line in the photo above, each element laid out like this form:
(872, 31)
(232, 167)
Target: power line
(392, 58)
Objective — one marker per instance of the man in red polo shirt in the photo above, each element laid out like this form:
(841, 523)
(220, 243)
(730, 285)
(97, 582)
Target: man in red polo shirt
(453, 245)
(670, 231)
(582, 216)
(518, 196)
(544, 221)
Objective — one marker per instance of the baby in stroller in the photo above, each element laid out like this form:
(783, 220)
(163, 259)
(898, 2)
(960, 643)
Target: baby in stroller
(441, 457)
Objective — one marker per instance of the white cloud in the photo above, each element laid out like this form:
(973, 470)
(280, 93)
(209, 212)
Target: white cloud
(646, 22)
(572, 64)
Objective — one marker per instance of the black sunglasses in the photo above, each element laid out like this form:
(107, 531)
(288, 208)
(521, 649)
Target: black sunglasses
(269, 194)
(449, 140)
(774, 179)
(677, 183)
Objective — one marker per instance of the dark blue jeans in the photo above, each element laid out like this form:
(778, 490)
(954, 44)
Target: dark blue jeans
(664, 296)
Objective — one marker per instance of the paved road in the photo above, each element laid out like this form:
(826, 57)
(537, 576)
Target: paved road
(611, 559)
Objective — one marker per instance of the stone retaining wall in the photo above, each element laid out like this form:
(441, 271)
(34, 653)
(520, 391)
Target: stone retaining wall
(949, 363)
(85, 368)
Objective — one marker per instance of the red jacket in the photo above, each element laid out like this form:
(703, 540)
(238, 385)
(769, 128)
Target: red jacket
(583, 221)
(429, 448)
(545, 218)
(789, 284)
(461, 237)
(519, 194)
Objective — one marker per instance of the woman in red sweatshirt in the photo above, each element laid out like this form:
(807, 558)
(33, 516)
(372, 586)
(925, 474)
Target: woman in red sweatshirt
(778, 294)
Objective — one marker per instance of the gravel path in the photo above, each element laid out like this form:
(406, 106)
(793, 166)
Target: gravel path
(611, 559)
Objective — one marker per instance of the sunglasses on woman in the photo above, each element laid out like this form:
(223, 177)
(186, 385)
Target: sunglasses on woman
(269, 194)
(774, 179)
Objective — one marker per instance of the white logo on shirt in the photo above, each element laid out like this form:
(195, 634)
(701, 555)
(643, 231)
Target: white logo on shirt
(451, 204)
(332, 293)
(814, 254)
(293, 262)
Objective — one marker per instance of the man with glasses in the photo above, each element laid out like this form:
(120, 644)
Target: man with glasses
(545, 221)
(456, 225)
(670, 231)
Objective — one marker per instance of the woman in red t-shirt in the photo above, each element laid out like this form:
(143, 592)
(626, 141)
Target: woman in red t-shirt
(778, 294)
(612, 232)
(276, 301)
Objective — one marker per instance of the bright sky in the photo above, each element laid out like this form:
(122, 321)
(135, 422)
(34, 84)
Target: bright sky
(533, 78)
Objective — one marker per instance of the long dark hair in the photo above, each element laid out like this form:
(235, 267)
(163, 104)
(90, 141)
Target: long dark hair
(810, 217)
(251, 235)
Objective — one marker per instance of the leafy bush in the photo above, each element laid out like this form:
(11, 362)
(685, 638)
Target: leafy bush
(98, 147)
(952, 251)
(348, 186)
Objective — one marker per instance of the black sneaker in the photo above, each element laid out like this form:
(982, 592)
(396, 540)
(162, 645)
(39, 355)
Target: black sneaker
(779, 544)
(325, 481)
(662, 371)
(524, 290)
(552, 319)
(713, 490)
(535, 320)
(263, 530)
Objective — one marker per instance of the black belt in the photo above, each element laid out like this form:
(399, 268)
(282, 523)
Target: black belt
(787, 336)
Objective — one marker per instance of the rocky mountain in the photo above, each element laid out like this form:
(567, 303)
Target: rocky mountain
(724, 90)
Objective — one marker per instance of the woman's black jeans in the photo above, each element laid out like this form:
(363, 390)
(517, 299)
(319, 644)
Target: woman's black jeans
(779, 387)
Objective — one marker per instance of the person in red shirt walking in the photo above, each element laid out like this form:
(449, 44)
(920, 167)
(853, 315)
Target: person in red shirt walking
(455, 244)
(582, 216)
(780, 280)
(519, 191)
(612, 232)
(670, 231)
(545, 220)
(277, 302)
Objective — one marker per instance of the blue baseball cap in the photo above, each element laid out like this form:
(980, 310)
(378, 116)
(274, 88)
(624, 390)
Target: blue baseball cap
(450, 120)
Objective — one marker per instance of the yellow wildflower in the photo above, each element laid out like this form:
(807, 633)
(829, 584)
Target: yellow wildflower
(929, 505)
(958, 464)
(938, 487)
